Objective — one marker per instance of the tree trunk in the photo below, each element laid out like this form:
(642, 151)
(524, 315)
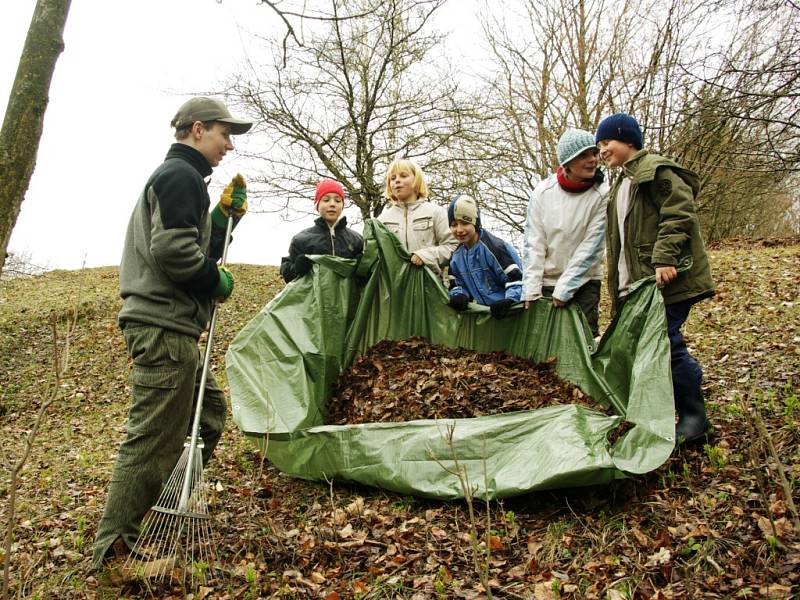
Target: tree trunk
(22, 126)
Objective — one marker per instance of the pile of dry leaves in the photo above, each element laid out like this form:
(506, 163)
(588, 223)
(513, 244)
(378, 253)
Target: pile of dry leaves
(415, 379)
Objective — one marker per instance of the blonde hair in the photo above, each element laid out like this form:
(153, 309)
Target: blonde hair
(406, 164)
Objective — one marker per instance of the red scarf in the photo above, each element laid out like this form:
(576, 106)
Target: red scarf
(569, 185)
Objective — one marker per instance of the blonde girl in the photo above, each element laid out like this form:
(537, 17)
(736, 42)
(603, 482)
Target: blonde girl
(420, 225)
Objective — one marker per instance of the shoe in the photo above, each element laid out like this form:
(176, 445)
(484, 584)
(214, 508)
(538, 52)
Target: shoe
(687, 433)
(692, 421)
(158, 568)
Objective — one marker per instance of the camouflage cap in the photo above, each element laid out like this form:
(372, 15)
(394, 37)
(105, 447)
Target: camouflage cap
(208, 109)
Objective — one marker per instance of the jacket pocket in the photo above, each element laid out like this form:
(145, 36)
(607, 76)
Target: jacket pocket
(645, 252)
(422, 224)
(424, 234)
(392, 226)
(644, 255)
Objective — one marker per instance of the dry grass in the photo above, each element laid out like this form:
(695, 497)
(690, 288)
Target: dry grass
(712, 522)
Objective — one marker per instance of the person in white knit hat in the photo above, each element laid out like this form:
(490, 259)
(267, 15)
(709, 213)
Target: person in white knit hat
(564, 238)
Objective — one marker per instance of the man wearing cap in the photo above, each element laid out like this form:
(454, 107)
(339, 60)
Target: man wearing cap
(169, 279)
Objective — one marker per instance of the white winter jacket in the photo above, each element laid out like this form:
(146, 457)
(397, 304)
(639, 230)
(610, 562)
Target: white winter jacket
(564, 239)
(422, 228)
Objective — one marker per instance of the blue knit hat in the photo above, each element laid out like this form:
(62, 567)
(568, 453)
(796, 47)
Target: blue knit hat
(464, 208)
(622, 127)
(571, 143)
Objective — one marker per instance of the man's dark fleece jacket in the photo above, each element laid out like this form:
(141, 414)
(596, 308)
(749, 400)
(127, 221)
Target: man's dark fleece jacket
(322, 239)
(169, 267)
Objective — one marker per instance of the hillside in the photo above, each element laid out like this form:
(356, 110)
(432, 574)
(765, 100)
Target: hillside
(713, 522)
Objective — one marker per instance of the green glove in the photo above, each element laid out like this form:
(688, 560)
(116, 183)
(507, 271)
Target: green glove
(224, 287)
(233, 199)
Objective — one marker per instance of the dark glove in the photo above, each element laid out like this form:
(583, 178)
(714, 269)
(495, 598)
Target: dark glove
(459, 301)
(500, 308)
(302, 265)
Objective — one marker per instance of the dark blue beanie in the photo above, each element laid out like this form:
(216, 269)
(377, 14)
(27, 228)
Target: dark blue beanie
(622, 127)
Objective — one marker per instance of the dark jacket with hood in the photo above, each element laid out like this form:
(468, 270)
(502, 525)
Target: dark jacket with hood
(168, 271)
(338, 240)
(661, 228)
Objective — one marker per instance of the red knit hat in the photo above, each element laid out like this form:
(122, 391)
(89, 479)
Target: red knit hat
(326, 186)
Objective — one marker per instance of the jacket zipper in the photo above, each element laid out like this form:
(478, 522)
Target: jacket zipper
(405, 208)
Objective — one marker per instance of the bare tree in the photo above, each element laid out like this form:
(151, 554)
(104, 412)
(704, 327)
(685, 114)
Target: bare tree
(361, 87)
(740, 125)
(24, 118)
(758, 80)
(20, 264)
(293, 18)
(556, 64)
(358, 93)
(729, 113)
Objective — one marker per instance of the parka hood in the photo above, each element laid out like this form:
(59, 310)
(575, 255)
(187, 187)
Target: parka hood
(642, 167)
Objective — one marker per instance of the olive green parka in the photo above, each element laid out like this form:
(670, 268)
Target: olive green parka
(661, 228)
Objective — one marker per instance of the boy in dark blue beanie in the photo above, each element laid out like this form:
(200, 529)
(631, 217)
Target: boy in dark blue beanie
(484, 268)
(620, 127)
(652, 227)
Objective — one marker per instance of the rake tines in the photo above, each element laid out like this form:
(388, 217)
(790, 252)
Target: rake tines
(176, 535)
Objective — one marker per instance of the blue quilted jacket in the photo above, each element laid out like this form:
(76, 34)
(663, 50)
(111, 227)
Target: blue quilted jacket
(489, 271)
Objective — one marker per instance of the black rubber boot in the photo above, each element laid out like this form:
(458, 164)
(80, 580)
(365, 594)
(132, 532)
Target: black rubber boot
(692, 422)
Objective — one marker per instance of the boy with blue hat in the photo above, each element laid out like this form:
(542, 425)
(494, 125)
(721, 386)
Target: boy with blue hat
(483, 268)
(652, 227)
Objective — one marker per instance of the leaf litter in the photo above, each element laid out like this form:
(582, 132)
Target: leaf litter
(401, 380)
(713, 522)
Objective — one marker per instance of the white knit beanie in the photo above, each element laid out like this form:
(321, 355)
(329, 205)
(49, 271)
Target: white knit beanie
(571, 143)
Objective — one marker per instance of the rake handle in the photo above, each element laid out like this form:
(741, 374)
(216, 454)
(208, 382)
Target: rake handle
(186, 490)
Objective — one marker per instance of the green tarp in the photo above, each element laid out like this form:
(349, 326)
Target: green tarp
(283, 363)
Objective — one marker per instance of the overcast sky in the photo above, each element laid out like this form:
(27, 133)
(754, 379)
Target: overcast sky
(126, 68)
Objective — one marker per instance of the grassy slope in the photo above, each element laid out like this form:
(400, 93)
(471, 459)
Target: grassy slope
(704, 524)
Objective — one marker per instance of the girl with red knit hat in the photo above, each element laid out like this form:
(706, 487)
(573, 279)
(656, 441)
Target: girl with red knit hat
(329, 235)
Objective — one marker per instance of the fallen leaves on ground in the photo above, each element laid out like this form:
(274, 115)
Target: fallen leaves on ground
(713, 522)
(415, 379)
